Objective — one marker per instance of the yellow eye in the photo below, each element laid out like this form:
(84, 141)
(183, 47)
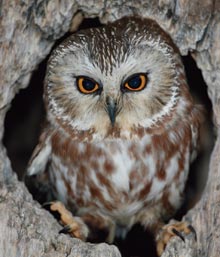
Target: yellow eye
(136, 82)
(87, 85)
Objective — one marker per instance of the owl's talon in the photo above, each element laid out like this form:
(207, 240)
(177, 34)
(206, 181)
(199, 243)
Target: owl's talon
(179, 229)
(65, 230)
(47, 204)
(76, 229)
(177, 233)
(52, 206)
(72, 225)
(191, 228)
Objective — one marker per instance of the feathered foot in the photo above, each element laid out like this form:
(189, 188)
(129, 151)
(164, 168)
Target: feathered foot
(74, 226)
(168, 231)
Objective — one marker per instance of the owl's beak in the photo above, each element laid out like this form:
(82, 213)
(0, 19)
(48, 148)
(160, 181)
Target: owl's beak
(111, 105)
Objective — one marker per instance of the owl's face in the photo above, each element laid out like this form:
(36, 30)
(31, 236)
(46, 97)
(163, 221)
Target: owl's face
(119, 76)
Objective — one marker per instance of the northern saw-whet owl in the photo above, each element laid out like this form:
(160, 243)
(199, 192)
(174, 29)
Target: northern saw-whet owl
(121, 130)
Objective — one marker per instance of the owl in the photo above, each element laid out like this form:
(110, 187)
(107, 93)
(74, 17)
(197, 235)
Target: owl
(121, 131)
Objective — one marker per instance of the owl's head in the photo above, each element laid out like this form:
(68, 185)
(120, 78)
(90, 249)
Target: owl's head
(121, 76)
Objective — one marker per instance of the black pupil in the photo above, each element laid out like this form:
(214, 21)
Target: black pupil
(88, 85)
(135, 82)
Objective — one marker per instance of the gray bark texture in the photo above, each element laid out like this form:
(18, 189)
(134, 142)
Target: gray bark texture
(28, 30)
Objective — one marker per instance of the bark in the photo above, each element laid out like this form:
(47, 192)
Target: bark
(28, 30)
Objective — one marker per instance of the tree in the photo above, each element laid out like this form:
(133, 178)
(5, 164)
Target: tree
(28, 30)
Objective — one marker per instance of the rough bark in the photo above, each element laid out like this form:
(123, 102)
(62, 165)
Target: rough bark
(28, 30)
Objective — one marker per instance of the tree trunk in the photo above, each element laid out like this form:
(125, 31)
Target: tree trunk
(28, 30)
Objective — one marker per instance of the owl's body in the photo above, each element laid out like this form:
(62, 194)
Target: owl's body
(121, 128)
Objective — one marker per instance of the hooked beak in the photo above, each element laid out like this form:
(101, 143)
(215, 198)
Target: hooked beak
(111, 105)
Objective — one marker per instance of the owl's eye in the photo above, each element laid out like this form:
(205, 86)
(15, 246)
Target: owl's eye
(136, 82)
(87, 85)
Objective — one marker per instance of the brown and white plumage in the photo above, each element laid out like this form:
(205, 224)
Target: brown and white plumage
(118, 156)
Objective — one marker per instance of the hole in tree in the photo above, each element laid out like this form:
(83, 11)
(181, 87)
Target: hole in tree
(199, 168)
(23, 124)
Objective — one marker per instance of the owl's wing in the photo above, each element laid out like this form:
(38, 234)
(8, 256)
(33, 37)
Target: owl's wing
(41, 154)
(197, 116)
